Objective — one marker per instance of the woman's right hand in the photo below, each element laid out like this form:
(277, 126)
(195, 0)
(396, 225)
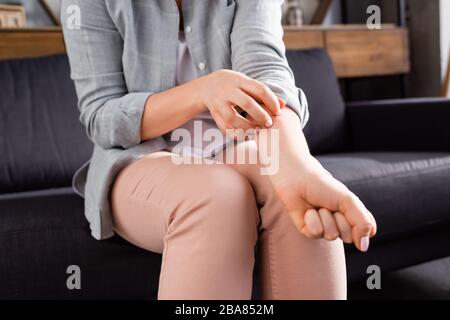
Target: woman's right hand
(321, 206)
(223, 90)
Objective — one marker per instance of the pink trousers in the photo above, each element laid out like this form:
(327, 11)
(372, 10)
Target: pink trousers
(206, 221)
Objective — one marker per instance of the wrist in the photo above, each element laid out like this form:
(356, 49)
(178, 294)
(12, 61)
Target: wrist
(199, 101)
(306, 169)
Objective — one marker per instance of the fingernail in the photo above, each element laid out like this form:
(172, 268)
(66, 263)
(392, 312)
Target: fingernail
(269, 123)
(364, 244)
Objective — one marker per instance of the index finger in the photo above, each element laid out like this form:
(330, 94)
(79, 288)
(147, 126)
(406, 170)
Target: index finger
(263, 95)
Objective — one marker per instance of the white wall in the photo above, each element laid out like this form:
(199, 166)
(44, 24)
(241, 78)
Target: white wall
(445, 34)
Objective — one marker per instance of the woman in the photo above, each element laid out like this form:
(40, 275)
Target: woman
(146, 71)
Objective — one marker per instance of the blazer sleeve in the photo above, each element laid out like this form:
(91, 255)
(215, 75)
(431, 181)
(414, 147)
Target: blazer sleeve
(112, 115)
(258, 50)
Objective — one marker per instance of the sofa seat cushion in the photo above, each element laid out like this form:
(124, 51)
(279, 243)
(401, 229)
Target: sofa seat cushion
(43, 233)
(41, 210)
(407, 192)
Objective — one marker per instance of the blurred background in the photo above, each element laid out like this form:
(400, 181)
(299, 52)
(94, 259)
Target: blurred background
(398, 50)
(428, 23)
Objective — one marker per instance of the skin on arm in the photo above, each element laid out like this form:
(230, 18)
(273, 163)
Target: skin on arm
(218, 93)
(301, 182)
(168, 110)
(319, 205)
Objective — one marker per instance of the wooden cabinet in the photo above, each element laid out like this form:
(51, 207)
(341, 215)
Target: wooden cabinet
(28, 43)
(355, 50)
(304, 39)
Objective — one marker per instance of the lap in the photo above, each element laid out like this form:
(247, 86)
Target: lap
(243, 158)
(147, 193)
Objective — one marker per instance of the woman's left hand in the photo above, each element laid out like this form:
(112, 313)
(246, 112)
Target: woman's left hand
(320, 206)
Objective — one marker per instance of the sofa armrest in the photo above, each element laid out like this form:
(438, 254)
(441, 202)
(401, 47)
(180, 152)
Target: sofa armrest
(400, 125)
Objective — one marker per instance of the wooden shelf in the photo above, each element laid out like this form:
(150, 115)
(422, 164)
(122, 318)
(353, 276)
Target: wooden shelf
(31, 30)
(30, 42)
(355, 50)
(384, 26)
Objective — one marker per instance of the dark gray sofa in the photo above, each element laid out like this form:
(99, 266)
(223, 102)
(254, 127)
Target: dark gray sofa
(395, 155)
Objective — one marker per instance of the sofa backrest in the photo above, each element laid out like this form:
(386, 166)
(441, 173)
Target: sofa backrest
(326, 130)
(42, 143)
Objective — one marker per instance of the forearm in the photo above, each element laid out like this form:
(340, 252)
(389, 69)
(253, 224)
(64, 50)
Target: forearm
(291, 138)
(283, 146)
(168, 110)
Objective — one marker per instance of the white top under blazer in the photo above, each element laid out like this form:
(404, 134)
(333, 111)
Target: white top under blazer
(197, 145)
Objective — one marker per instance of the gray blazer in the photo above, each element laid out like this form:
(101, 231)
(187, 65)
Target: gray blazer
(125, 50)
